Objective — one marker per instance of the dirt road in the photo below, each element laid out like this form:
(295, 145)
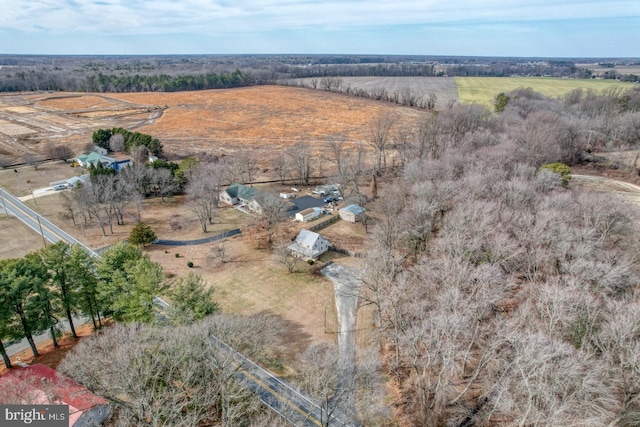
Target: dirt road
(627, 191)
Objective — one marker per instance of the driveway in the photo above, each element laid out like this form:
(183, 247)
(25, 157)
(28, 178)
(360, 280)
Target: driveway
(304, 202)
(347, 286)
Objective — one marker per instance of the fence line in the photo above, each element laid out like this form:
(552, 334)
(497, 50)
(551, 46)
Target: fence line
(346, 252)
(324, 223)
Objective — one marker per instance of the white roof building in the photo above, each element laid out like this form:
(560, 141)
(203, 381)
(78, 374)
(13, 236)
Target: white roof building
(310, 244)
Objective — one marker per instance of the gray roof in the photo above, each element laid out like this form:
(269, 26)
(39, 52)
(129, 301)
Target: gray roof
(355, 209)
(307, 238)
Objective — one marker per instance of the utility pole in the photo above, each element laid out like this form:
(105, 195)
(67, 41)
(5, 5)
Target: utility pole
(4, 205)
(44, 241)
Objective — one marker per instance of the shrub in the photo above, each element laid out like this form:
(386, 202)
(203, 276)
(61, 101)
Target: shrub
(310, 261)
(561, 169)
(190, 264)
(177, 255)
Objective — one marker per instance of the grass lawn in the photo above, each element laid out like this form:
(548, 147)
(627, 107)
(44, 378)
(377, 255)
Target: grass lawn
(483, 90)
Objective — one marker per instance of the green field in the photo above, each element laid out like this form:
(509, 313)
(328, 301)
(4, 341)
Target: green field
(482, 90)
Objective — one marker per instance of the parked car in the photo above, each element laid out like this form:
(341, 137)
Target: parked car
(330, 199)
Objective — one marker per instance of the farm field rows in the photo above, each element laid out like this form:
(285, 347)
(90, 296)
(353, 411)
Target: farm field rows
(483, 90)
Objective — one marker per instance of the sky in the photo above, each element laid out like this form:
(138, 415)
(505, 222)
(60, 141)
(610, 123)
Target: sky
(524, 28)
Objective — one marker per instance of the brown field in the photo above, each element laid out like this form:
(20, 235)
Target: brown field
(443, 87)
(620, 69)
(214, 121)
(77, 102)
(259, 117)
(17, 239)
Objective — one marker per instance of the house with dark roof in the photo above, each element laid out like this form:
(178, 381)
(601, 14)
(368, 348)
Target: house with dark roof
(40, 385)
(238, 194)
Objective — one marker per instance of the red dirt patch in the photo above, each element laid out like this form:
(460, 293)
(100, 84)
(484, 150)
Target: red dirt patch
(49, 355)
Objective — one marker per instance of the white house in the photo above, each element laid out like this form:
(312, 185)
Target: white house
(310, 244)
(352, 213)
(308, 214)
(237, 193)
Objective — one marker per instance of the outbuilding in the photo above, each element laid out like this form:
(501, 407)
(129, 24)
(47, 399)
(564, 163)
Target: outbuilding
(352, 213)
(308, 214)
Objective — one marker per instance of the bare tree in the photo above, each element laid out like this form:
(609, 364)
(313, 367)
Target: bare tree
(203, 190)
(301, 156)
(173, 375)
(116, 142)
(273, 212)
(286, 256)
(379, 139)
(280, 165)
(32, 159)
(63, 152)
(221, 250)
(140, 154)
(336, 146)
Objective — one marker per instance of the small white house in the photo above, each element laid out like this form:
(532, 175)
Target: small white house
(352, 213)
(308, 214)
(310, 244)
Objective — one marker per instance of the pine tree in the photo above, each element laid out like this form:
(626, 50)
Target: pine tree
(142, 234)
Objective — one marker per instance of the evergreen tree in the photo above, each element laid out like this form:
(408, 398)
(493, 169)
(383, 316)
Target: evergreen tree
(191, 300)
(142, 234)
(82, 275)
(20, 281)
(56, 258)
(129, 283)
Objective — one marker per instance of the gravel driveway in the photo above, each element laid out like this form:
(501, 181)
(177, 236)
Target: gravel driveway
(346, 285)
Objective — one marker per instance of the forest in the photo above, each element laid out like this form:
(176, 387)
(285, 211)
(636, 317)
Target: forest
(503, 293)
(175, 73)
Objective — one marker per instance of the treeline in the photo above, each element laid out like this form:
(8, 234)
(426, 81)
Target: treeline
(406, 96)
(165, 82)
(503, 295)
(86, 81)
(119, 139)
(63, 281)
(168, 73)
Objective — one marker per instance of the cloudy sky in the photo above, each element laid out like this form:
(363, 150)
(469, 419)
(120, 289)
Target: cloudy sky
(545, 28)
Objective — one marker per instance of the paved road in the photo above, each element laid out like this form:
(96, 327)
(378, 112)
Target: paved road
(38, 223)
(64, 326)
(294, 406)
(290, 403)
